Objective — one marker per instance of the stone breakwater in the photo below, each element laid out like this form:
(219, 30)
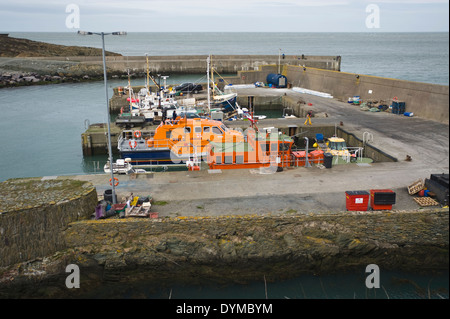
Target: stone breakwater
(237, 249)
(22, 79)
(66, 75)
(24, 72)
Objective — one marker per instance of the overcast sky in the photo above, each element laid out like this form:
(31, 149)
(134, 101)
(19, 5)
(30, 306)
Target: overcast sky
(225, 15)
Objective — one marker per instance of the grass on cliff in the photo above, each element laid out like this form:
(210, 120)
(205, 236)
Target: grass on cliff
(16, 47)
(31, 185)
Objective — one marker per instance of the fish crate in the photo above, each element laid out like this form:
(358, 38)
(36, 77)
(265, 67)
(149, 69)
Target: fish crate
(416, 187)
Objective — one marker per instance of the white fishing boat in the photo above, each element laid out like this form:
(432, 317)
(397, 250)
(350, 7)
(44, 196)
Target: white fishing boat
(121, 166)
(157, 106)
(225, 101)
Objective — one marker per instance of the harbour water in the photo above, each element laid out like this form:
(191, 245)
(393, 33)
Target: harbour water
(41, 128)
(393, 285)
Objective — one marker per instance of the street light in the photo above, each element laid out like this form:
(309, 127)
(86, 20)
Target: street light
(107, 102)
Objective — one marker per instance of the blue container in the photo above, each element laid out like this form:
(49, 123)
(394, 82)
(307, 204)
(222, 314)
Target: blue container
(319, 137)
(276, 80)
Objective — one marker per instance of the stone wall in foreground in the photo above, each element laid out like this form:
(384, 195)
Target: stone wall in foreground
(231, 249)
(34, 214)
(235, 248)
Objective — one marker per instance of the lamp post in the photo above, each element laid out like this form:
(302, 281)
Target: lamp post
(107, 102)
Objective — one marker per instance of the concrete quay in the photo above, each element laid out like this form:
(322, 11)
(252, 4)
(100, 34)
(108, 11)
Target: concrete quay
(301, 190)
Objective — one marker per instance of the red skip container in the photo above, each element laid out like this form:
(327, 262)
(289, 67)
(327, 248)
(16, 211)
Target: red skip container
(357, 200)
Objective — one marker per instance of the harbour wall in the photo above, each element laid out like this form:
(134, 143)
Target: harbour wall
(237, 249)
(310, 242)
(35, 213)
(428, 101)
(197, 64)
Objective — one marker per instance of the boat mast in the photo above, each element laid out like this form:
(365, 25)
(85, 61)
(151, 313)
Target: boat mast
(148, 76)
(212, 79)
(129, 89)
(207, 75)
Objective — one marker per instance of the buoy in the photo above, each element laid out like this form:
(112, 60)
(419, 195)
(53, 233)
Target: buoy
(116, 181)
(137, 134)
(132, 143)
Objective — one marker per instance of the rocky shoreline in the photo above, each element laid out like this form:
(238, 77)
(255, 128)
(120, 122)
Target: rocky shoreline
(17, 79)
(10, 79)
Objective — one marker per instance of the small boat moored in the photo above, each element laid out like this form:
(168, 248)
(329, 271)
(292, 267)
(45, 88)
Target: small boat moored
(122, 166)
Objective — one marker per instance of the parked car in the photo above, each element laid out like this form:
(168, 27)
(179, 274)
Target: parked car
(189, 88)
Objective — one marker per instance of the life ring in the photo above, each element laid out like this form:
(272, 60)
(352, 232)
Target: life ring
(116, 181)
(395, 98)
(137, 134)
(132, 143)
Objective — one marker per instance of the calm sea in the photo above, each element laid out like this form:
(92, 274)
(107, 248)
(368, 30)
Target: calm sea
(41, 127)
(421, 57)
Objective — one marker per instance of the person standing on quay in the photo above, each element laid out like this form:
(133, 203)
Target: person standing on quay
(308, 117)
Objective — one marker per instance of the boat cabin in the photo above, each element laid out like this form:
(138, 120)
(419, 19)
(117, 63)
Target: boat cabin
(261, 150)
(183, 137)
(337, 146)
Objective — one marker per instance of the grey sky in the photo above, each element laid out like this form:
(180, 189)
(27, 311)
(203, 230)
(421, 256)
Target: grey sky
(229, 15)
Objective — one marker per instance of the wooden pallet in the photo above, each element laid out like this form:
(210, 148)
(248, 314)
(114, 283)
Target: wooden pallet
(425, 201)
(415, 187)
